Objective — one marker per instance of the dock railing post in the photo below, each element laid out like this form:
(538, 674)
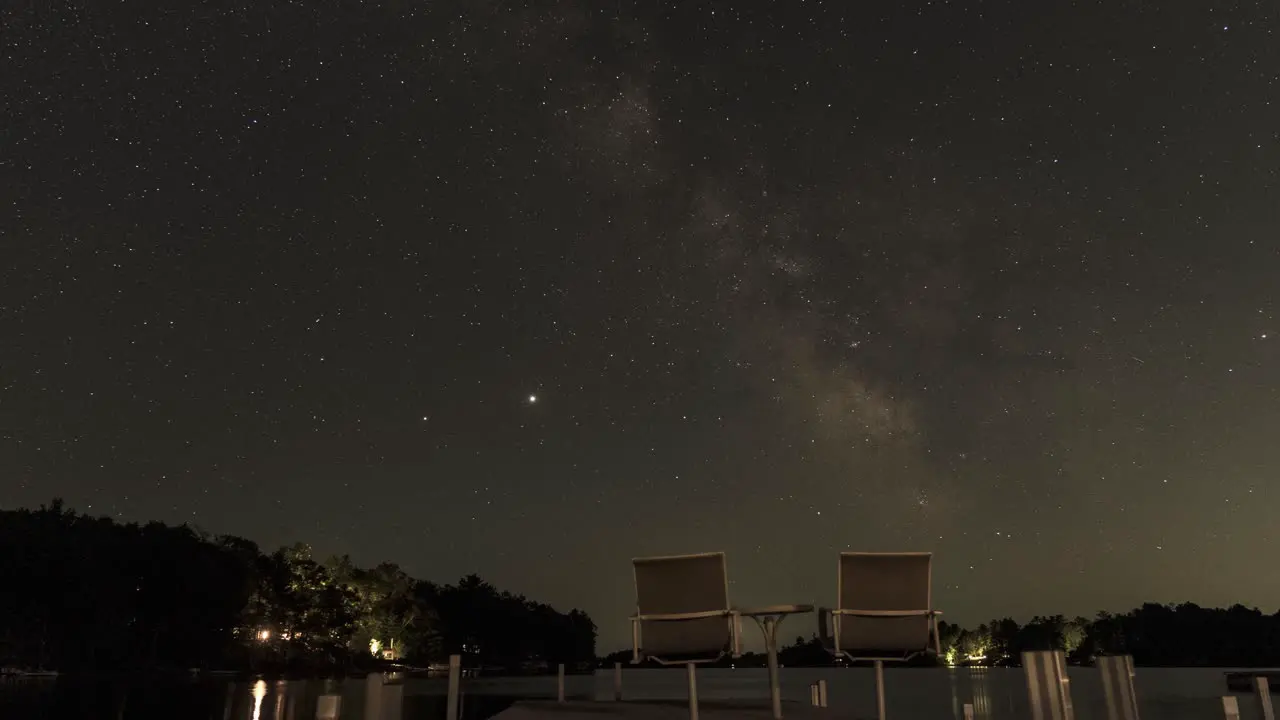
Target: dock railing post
(617, 682)
(1262, 688)
(560, 682)
(373, 695)
(813, 694)
(1117, 686)
(1230, 707)
(1047, 685)
(455, 673)
(968, 711)
(328, 707)
(822, 693)
(392, 699)
(1133, 690)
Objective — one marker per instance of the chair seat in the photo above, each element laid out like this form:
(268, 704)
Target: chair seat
(683, 658)
(878, 654)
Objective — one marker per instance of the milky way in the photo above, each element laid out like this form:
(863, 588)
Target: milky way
(530, 292)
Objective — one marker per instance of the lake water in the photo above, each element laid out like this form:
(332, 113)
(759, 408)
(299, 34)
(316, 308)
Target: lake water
(939, 694)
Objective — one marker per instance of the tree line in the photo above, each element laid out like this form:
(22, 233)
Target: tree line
(90, 593)
(1185, 635)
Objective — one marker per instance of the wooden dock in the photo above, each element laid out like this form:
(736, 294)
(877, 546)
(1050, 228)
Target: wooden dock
(657, 710)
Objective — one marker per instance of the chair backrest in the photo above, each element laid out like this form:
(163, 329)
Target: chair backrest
(879, 582)
(684, 584)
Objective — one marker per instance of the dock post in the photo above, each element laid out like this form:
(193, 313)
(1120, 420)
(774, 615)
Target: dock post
(372, 695)
(822, 693)
(560, 682)
(693, 692)
(1230, 707)
(328, 707)
(1047, 685)
(880, 689)
(1262, 687)
(968, 711)
(1133, 690)
(617, 682)
(392, 701)
(229, 702)
(1117, 686)
(813, 694)
(455, 672)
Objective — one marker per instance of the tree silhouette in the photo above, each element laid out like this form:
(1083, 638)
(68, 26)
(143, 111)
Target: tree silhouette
(83, 592)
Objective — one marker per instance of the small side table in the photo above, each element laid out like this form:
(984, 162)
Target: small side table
(769, 618)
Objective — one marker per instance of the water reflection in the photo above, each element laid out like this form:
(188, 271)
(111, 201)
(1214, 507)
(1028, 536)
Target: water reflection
(969, 686)
(980, 694)
(391, 696)
(282, 697)
(259, 692)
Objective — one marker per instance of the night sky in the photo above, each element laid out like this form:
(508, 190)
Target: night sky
(530, 289)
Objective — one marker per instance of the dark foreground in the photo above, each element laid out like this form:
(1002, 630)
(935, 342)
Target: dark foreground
(72, 699)
(937, 694)
(657, 710)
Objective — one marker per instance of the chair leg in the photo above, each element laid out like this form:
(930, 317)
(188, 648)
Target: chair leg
(880, 689)
(770, 628)
(693, 692)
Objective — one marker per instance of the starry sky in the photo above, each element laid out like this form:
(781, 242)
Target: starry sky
(530, 289)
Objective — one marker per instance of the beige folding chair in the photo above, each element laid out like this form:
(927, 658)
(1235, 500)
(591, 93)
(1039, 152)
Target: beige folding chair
(884, 610)
(683, 614)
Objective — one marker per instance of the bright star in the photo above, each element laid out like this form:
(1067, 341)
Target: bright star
(533, 399)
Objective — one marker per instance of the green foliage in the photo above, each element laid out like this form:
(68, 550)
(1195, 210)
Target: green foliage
(1074, 633)
(389, 613)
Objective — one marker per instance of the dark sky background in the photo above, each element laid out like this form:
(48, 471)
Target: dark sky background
(993, 279)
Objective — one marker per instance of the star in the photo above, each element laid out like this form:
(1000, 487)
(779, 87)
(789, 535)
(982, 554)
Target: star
(861, 310)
